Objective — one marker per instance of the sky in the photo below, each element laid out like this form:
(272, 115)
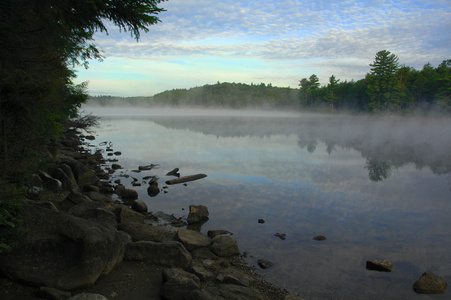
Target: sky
(276, 42)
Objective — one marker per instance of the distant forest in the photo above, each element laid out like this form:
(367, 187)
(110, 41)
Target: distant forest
(389, 87)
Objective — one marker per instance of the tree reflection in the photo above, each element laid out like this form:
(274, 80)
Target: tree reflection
(378, 170)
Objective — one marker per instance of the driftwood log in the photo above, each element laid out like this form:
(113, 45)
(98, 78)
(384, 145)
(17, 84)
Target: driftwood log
(186, 178)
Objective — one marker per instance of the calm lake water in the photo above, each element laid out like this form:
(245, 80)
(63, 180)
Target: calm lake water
(376, 187)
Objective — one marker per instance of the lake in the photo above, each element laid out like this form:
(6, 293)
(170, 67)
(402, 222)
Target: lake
(375, 187)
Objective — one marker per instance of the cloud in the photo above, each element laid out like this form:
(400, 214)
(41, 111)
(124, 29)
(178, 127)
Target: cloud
(339, 36)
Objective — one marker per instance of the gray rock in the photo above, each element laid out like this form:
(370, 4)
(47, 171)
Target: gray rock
(166, 254)
(224, 246)
(233, 276)
(96, 196)
(380, 265)
(203, 253)
(197, 213)
(192, 239)
(178, 283)
(60, 250)
(202, 273)
(83, 174)
(35, 181)
(225, 291)
(144, 232)
(128, 194)
(35, 193)
(76, 197)
(51, 293)
(213, 233)
(139, 206)
(265, 264)
(95, 212)
(126, 215)
(68, 171)
(87, 296)
(153, 189)
(67, 183)
(430, 283)
(50, 182)
(319, 238)
(116, 167)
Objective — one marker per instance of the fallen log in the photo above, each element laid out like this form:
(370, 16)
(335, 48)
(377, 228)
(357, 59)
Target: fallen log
(186, 178)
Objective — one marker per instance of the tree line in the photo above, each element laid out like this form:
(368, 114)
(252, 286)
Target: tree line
(225, 94)
(388, 87)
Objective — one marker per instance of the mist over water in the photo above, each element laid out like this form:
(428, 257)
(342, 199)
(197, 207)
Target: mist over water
(376, 187)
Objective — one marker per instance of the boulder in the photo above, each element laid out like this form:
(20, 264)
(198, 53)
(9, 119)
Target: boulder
(95, 212)
(153, 189)
(192, 239)
(34, 193)
(202, 273)
(224, 246)
(139, 206)
(178, 283)
(60, 250)
(144, 232)
(166, 254)
(67, 183)
(197, 213)
(83, 174)
(203, 253)
(50, 182)
(430, 283)
(213, 233)
(35, 181)
(68, 171)
(233, 276)
(128, 194)
(125, 214)
(75, 197)
(96, 196)
(380, 265)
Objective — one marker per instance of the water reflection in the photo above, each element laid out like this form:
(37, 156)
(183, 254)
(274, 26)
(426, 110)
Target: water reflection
(385, 142)
(374, 187)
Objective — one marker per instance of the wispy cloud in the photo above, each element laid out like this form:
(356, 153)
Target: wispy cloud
(322, 37)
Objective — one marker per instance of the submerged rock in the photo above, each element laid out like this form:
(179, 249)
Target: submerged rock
(265, 264)
(282, 236)
(430, 283)
(319, 238)
(380, 265)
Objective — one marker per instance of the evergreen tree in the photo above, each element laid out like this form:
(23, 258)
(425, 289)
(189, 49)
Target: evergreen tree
(382, 80)
(41, 42)
(331, 91)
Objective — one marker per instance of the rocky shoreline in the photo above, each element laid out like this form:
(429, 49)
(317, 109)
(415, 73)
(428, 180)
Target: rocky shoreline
(77, 241)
